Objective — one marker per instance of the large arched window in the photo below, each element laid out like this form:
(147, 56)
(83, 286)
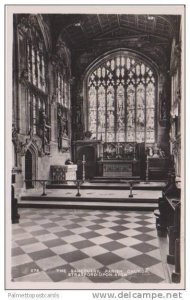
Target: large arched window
(37, 79)
(32, 54)
(121, 93)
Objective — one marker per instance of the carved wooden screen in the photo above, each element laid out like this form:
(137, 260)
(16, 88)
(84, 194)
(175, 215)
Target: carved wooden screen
(121, 100)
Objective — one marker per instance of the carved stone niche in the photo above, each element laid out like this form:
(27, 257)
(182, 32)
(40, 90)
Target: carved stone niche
(22, 143)
(163, 105)
(25, 23)
(175, 57)
(18, 140)
(62, 129)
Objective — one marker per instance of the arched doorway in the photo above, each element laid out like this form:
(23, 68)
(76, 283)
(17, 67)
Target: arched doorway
(29, 169)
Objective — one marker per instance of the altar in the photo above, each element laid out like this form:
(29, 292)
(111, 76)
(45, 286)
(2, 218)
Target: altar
(119, 160)
(120, 168)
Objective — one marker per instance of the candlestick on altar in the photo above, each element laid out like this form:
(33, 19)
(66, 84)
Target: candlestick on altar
(134, 153)
(147, 170)
(117, 148)
(83, 168)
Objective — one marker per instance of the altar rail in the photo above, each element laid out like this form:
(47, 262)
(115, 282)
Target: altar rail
(44, 182)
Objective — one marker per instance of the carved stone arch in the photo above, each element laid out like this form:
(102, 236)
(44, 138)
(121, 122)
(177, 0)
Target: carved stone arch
(63, 56)
(32, 147)
(34, 27)
(45, 32)
(98, 60)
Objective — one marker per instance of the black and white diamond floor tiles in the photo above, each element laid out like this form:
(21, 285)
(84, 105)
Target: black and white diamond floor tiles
(55, 245)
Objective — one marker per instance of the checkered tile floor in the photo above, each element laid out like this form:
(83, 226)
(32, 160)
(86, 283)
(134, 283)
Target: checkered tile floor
(86, 246)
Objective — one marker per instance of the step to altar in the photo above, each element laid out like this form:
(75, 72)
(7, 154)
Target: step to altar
(117, 195)
(90, 200)
(86, 205)
(114, 184)
(123, 180)
(144, 199)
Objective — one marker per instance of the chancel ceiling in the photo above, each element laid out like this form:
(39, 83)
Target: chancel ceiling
(150, 35)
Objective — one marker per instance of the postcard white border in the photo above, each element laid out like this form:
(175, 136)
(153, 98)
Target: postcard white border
(150, 9)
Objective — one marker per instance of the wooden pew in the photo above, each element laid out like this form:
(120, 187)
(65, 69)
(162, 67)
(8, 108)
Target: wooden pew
(14, 206)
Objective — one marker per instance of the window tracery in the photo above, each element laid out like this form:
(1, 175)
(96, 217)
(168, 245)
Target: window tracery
(33, 70)
(121, 96)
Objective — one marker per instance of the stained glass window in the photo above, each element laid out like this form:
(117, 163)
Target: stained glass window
(36, 66)
(62, 90)
(121, 100)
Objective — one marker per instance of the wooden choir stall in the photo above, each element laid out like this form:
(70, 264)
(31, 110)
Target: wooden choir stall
(168, 224)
